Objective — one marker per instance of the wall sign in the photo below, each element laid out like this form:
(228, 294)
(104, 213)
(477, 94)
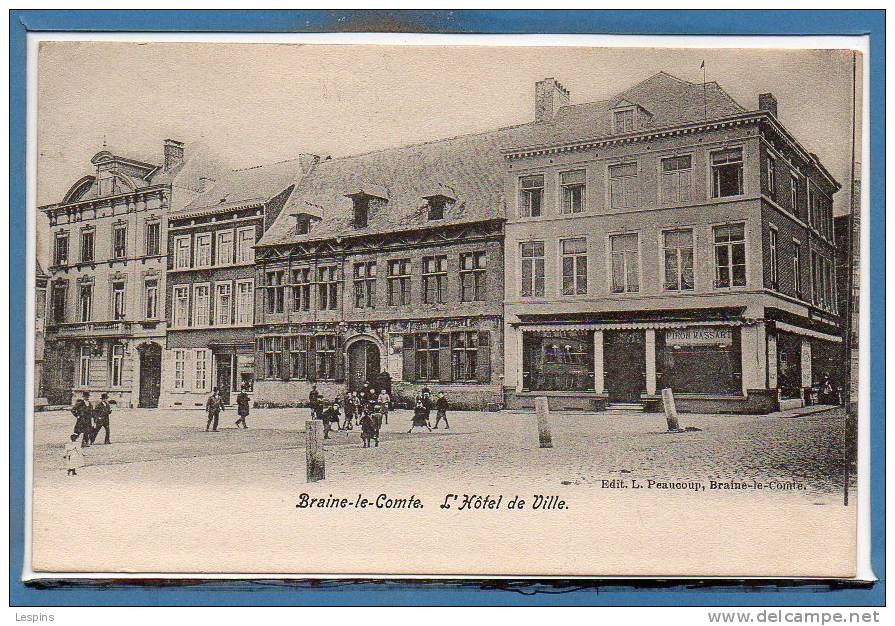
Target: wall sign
(701, 336)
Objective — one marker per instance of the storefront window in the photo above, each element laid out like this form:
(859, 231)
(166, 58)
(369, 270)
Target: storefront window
(561, 360)
(700, 359)
(789, 365)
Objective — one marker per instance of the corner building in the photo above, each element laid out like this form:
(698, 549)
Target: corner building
(666, 238)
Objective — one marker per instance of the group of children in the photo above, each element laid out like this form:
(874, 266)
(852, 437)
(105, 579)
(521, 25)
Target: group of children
(423, 406)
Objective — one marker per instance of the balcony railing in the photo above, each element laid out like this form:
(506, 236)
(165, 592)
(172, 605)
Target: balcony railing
(94, 329)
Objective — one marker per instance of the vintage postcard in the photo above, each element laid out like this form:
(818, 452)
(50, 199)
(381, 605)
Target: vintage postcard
(445, 310)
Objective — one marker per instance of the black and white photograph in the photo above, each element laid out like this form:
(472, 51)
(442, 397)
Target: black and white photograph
(381, 310)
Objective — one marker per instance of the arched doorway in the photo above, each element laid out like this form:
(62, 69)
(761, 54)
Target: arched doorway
(363, 362)
(150, 375)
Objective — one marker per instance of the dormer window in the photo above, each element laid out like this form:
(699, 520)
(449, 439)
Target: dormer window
(623, 121)
(436, 208)
(302, 225)
(361, 211)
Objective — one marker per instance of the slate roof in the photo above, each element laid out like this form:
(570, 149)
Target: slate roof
(251, 185)
(470, 165)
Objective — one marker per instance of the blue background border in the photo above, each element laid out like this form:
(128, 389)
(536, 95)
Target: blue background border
(695, 22)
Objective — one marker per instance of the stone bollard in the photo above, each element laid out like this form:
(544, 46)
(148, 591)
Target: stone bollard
(543, 410)
(670, 410)
(315, 461)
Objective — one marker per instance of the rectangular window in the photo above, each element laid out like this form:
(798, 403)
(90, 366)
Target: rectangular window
(531, 195)
(361, 211)
(153, 238)
(473, 276)
(245, 240)
(574, 189)
(464, 352)
(273, 348)
(117, 364)
(84, 367)
(730, 255)
(245, 302)
(85, 303)
(678, 258)
(434, 279)
(427, 345)
(532, 255)
(623, 121)
(774, 259)
(727, 173)
(60, 295)
(326, 356)
(299, 349)
(677, 179)
(118, 301)
(301, 289)
(275, 291)
(794, 193)
(223, 303)
(623, 186)
(224, 247)
(181, 306)
(203, 250)
(328, 287)
(60, 249)
(201, 380)
(772, 176)
(625, 259)
(797, 267)
(201, 305)
(365, 285)
(179, 369)
(181, 252)
(574, 266)
(399, 282)
(119, 241)
(150, 298)
(87, 246)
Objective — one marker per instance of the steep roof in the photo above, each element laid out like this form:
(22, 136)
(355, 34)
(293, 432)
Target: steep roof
(251, 185)
(471, 165)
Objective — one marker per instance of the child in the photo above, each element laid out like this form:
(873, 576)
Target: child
(72, 456)
(347, 424)
(377, 415)
(367, 429)
(384, 401)
(441, 407)
(420, 415)
(329, 416)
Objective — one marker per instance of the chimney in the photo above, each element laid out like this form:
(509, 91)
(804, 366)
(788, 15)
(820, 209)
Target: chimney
(173, 154)
(550, 96)
(767, 102)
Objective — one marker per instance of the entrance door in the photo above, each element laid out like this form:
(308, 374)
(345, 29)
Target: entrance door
(224, 375)
(625, 365)
(363, 363)
(150, 375)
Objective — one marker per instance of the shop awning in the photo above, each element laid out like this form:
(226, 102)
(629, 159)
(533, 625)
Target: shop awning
(630, 325)
(797, 330)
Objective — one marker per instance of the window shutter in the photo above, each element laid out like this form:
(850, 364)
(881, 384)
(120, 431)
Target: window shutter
(285, 361)
(340, 359)
(444, 358)
(312, 358)
(408, 355)
(483, 357)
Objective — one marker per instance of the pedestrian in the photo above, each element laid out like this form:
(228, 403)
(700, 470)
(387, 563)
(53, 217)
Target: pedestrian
(377, 415)
(366, 396)
(441, 407)
(420, 417)
(367, 430)
(330, 415)
(385, 403)
(72, 457)
(315, 402)
(348, 423)
(242, 407)
(427, 403)
(83, 412)
(101, 413)
(214, 405)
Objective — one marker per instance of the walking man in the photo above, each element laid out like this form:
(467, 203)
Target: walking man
(101, 413)
(214, 406)
(242, 407)
(441, 407)
(83, 412)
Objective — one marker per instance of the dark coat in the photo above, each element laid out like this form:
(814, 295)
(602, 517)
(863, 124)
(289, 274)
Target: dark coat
(242, 404)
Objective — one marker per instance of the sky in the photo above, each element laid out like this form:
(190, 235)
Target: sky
(259, 103)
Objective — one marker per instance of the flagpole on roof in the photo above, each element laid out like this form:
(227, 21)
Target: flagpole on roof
(705, 104)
